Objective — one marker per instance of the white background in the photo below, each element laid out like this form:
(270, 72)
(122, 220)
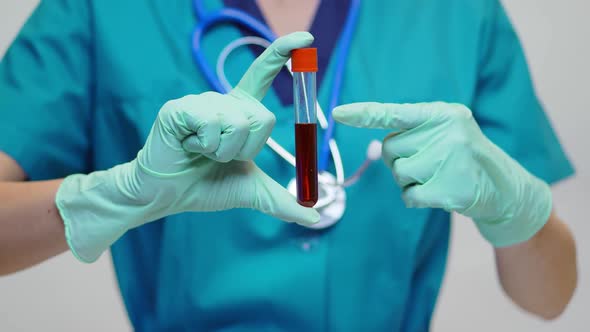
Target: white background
(64, 295)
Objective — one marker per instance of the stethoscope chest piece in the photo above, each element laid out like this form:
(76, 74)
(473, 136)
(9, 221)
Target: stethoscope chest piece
(331, 201)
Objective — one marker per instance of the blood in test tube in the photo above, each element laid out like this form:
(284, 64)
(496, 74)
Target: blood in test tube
(304, 65)
(306, 163)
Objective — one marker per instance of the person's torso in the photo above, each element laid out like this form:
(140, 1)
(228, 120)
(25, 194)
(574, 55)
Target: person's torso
(241, 269)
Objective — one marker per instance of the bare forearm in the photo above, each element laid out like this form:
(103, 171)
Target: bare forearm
(540, 275)
(31, 229)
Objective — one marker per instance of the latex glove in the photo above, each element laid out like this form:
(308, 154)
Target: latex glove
(441, 159)
(197, 158)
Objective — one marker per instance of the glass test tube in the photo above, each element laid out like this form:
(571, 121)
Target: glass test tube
(304, 66)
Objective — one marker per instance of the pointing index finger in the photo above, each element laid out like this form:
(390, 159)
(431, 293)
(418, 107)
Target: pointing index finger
(383, 116)
(258, 78)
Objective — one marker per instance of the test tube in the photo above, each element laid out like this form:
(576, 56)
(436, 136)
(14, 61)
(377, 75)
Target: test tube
(304, 65)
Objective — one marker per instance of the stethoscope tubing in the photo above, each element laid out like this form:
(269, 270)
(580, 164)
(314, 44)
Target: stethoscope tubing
(207, 21)
(272, 144)
(341, 57)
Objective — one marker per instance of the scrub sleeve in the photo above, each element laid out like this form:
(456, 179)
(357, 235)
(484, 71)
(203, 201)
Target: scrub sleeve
(505, 104)
(46, 92)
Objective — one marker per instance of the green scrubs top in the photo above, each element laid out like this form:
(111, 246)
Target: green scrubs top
(81, 86)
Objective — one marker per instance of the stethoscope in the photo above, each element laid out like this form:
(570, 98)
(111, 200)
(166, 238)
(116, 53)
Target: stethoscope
(332, 196)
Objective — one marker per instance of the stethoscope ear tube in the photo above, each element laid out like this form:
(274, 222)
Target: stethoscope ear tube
(229, 15)
(341, 56)
(332, 200)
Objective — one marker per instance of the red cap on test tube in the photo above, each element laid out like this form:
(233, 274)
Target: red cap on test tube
(304, 60)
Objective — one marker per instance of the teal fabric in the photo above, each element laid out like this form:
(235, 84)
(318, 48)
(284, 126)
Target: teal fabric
(81, 86)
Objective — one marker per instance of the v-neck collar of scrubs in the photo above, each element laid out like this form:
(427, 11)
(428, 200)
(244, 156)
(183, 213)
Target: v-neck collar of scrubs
(326, 33)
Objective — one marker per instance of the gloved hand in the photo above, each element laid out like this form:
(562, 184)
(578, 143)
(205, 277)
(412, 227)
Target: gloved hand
(441, 159)
(197, 158)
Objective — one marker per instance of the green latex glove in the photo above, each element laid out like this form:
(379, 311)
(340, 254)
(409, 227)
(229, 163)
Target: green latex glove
(196, 158)
(441, 159)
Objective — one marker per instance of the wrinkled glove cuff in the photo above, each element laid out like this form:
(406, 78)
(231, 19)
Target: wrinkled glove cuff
(528, 219)
(94, 213)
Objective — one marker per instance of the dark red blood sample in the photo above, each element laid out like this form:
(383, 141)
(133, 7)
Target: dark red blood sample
(306, 163)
